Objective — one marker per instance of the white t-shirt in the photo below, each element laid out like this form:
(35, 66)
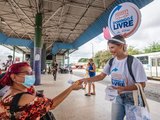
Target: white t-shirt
(120, 75)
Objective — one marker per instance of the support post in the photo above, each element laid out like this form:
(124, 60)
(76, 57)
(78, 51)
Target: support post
(37, 48)
(14, 50)
(68, 57)
(43, 59)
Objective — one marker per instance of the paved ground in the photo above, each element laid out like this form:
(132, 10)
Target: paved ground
(153, 90)
(79, 107)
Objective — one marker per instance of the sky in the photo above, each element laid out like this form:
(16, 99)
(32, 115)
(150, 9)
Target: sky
(148, 32)
(6, 51)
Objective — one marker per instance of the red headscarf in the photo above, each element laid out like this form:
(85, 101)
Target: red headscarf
(13, 69)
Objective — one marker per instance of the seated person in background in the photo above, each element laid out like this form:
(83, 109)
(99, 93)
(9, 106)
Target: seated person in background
(3, 89)
(20, 77)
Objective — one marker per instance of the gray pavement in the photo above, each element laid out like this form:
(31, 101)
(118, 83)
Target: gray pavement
(79, 107)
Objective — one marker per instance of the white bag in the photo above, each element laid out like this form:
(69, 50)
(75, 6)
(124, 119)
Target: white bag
(110, 93)
(4, 90)
(140, 113)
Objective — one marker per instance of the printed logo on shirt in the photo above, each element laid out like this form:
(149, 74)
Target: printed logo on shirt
(115, 69)
(118, 82)
(116, 77)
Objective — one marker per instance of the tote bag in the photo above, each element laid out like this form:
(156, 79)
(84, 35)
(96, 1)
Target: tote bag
(140, 112)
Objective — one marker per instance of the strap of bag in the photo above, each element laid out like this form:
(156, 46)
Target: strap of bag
(136, 93)
(140, 93)
(14, 104)
(143, 97)
(111, 61)
(129, 65)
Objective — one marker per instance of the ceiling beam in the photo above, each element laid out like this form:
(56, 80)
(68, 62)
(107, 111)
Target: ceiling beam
(11, 48)
(76, 4)
(21, 11)
(52, 16)
(104, 3)
(89, 4)
(60, 21)
(17, 15)
(12, 29)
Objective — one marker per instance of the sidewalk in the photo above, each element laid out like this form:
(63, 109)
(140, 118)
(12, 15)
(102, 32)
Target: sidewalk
(79, 107)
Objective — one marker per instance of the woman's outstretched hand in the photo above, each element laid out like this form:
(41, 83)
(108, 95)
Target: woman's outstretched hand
(77, 85)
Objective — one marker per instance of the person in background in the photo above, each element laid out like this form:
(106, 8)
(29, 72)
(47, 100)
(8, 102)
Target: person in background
(8, 63)
(91, 72)
(27, 59)
(121, 79)
(70, 69)
(54, 69)
(49, 70)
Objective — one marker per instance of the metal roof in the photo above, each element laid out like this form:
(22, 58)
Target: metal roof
(67, 24)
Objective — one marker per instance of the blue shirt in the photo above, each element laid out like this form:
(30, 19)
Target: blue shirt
(91, 74)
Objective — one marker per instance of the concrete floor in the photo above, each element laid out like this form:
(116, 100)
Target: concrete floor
(79, 107)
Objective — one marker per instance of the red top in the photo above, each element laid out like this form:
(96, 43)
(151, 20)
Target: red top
(33, 110)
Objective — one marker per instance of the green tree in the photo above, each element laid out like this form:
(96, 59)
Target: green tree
(154, 47)
(132, 51)
(83, 60)
(102, 57)
(97, 58)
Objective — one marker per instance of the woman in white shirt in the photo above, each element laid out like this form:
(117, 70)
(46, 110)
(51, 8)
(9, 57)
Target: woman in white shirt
(121, 79)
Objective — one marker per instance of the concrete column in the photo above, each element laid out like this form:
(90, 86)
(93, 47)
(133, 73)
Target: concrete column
(68, 57)
(63, 60)
(32, 58)
(23, 56)
(14, 50)
(37, 48)
(43, 57)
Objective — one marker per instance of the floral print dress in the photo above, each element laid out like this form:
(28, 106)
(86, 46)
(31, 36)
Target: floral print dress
(32, 111)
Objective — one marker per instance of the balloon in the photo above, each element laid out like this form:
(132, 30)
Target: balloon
(106, 33)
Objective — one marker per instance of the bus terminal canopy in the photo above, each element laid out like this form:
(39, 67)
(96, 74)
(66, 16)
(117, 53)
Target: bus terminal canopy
(66, 24)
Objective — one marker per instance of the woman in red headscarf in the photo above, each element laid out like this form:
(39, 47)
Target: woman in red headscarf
(20, 77)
